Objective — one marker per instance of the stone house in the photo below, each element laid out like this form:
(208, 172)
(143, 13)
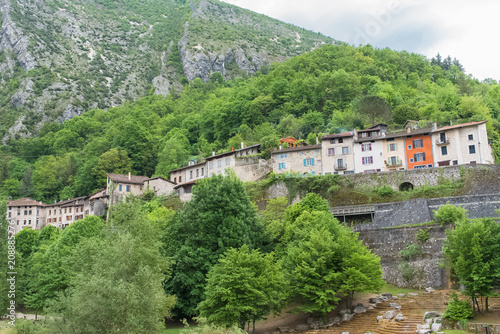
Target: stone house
(64, 213)
(305, 160)
(95, 204)
(119, 186)
(25, 213)
(159, 185)
(337, 153)
(459, 144)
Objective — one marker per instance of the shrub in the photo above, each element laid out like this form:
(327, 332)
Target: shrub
(423, 235)
(458, 309)
(410, 252)
(448, 213)
(385, 191)
(406, 270)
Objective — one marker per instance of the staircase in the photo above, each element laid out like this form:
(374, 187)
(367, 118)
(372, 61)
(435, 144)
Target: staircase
(412, 307)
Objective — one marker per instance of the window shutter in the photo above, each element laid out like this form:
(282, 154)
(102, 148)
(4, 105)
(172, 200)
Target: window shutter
(312, 162)
(371, 160)
(279, 166)
(370, 147)
(388, 147)
(423, 155)
(396, 146)
(362, 147)
(415, 157)
(305, 162)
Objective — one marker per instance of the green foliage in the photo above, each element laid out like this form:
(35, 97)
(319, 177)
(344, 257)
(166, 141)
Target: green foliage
(410, 252)
(458, 309)
(450, 214)
(274, 217)
(4, 239)
(385, 191)
(219, 216)
(407, 271)
(244, 285)
(423, 235)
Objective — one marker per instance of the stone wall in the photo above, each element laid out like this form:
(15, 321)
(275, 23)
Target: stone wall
(387, 243)
(421, 210)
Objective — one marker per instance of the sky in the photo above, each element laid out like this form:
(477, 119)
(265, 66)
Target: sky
(464, 29)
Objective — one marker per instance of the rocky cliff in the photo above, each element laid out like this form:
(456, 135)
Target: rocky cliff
(59, 58)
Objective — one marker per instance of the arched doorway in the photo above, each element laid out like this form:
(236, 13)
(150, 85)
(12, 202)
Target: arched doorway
(405, 186)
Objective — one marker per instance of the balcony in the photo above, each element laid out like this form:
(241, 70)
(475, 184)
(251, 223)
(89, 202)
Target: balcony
(341, 167)
(394, 163)
(441, 143)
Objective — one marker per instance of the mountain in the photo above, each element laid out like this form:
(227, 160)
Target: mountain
(59, 58)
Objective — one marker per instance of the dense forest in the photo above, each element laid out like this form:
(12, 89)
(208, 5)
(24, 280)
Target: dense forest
(328, 90)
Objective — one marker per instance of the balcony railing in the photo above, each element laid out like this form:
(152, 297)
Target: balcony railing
(341, 167)
(439, 142)
(392, 163)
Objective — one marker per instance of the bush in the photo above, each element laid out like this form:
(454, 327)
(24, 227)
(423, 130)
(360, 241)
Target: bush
(448, 213)
(423, 235)
(410, 252)
(406, 270)
(385, 191)
(458, 309)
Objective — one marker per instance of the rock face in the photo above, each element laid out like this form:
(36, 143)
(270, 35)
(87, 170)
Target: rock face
(75, 55)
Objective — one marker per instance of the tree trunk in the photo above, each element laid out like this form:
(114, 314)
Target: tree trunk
(253, 330)
(486, 304)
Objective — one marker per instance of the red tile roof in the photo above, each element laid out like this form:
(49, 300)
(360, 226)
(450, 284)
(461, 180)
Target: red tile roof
(24, 202)
(301, 148)
(456, 126)
(124, 178)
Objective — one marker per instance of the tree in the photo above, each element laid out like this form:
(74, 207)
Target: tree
(26, 186)
(472, 249)
(404, 112)
(274, 217)
(375, 108)
(4, 256)
(450, 214)
(113, 161)
(26, 242)
(219, 216)
(243, 286)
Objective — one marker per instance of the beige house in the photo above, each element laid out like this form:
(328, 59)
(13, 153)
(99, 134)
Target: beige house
(119, 186)
(337, 153)
(394, 152)
(159, 185)
(459, 144)
(305, 160)
(25, 213)
(95, 204)
(217, 163)
(64, 213)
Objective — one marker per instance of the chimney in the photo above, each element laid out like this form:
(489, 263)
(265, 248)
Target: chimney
(232, 149)
(213, 153)
(451, 122)
(317, 139)
(242, 145)
(408, 130)
(434, 126)
(129, 176)
(281, 147)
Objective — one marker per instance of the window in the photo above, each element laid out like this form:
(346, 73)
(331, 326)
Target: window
(180, 179)
(282, 165)
(332, 141)
(367, 160)
(175, 180)
(349, 172)
(331, 151)
(227, 161)
(25, 212)
(455, 162)
(419, 157)
(394, 161)
(341, 140)
(211, 164)
(472, 149)
(219, 163)
(471, 137)
(197, 172)
(120, 187)
(127, 188)
(444, 150)
(202, 171)
(409, 147)
(10, 214)
(364, 135)
(417, 143)
(25, 222)
(366, 147)
(190, 174)
(442, 137)
(29, 222)
(309, 162)
(340, 163)
(281, 156)
(411, 160)
(393, 147)
(345, 150)
(29, 212)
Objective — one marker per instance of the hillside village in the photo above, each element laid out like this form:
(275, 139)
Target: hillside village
(369, 150)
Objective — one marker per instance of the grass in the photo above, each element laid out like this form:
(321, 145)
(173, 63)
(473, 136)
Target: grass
(395, 290)
(5, 328)
(454, 331)
(173, 330)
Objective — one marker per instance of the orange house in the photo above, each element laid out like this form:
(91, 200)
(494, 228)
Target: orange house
(292, 142)
(418, 147)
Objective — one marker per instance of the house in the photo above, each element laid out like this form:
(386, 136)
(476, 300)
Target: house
(394, 152)
(337, 153)
(368, 149)
(305, 160)
(419, 148)
(217, 163)
(459, 144)
(25, 213)
(290, 141)
(119, 186)
(159, 185)
(95, 204)
(192, 172)
(64, 213)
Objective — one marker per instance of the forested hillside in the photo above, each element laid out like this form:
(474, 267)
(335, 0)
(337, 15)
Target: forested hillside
(333, 88)
(59, 58)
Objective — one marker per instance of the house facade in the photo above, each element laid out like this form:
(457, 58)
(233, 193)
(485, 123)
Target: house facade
(419, 149)
(337, 153)
(394, 152)
(159, 185)
(25, 213)
(119, 186)
(305, 160)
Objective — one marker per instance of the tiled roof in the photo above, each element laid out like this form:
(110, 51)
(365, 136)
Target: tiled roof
(123, 178)
(338, 135)
(24, 202)
(302, 148)
(185, 184)
(189, 166)
(160, 177)
(456, 126)
(230, 152)
(98, 194)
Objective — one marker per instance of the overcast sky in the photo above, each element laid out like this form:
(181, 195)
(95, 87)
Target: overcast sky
(465, 29)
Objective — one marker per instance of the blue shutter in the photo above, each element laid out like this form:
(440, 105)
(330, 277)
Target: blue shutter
(305, 162)
(312, 162)
(279, 166)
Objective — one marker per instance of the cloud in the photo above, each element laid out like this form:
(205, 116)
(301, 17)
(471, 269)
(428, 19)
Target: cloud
(460, 28)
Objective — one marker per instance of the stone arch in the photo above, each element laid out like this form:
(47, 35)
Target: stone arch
(405, 186)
